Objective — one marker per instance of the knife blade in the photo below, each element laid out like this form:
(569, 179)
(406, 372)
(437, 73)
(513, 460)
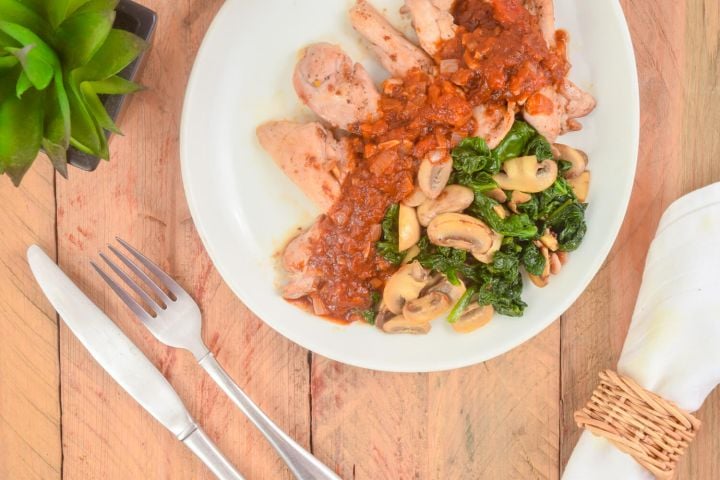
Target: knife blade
(109, 346)
(125, 363)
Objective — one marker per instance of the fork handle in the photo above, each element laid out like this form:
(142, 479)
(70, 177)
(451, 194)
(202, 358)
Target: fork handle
(207, 451)
(301, 462)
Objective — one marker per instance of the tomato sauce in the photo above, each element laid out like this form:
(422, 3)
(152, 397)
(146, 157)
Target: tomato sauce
(501, 57)
(502, 51)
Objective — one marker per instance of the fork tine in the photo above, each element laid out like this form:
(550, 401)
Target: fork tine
(134, 286)
(170, 284)
(127, 299)
(143, 276)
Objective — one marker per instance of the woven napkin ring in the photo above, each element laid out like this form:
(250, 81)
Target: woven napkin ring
(654, 431)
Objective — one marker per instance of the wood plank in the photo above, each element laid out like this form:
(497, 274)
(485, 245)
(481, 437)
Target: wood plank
(498, 419)
(700, 153)
(676, 45)
(368, 424)
(29, 368)
(139, 196)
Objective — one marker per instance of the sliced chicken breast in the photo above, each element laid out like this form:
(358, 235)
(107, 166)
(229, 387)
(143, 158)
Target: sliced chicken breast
(308, 154)
(395, 52)
(340, 92)
(494, 122)
(568, 102)
(301, 281)
(433, 22)
(544, 10)
(577, 103)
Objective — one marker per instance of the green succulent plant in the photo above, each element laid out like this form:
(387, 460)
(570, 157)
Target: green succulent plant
(56, 58)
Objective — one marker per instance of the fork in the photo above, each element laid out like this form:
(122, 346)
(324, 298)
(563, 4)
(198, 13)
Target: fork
(176, 321)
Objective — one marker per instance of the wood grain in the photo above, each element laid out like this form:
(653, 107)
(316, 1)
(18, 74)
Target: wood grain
(510, 418)
(373, 425)
(106, 434)
(520, 438)
(701, 151)
(29, 370)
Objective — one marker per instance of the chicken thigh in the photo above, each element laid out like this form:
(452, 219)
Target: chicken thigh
(395, 52)
(308, 154)
(340, 92)
(433, 22)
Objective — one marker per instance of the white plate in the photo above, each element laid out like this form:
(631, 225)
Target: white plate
(244, 207)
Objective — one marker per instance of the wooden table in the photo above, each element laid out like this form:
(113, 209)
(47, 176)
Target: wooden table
(61, 416)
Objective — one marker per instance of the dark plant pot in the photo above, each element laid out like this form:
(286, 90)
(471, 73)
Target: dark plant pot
(139, 20)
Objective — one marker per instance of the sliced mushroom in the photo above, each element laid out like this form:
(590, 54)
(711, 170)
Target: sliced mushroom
(405, 284)
(500, 210)
(434, 173)
(443, 285)
(518, 198)
(538, 281)
(427, 307)
(563, 256)
(411, 254)
(415, 199)
(460, 231)
(487, 257)
(408, 228)
(497, 194)
(546, 253)
(400, 324)
(580, 185)
(526, 174)
(555, 264)
(542, 280)
(474, 317)
(578, 158)
(453, 199)
(555, 152)
(549, 240)
(383, 315)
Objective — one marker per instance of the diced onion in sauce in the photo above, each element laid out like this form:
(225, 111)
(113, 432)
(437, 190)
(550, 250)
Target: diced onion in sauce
(450, 65)
(438, 155)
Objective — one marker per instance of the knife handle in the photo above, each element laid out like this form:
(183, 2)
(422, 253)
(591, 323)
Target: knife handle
(207, 451)
(301, 462)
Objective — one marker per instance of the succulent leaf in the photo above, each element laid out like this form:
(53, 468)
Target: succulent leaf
(96, 108)
(36, 68)
(27, 38)
(80, 36)
(115, 86)
(86, 135)
(97, 5)
(57, 119)
(58, 10)
(16, 12)
(8, 61)
(23, 85)
(21, 122)
(118, 51)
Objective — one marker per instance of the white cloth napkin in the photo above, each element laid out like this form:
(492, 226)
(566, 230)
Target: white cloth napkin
(673, 345)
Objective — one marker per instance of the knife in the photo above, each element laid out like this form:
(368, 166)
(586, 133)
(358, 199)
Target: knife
(125, 363)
